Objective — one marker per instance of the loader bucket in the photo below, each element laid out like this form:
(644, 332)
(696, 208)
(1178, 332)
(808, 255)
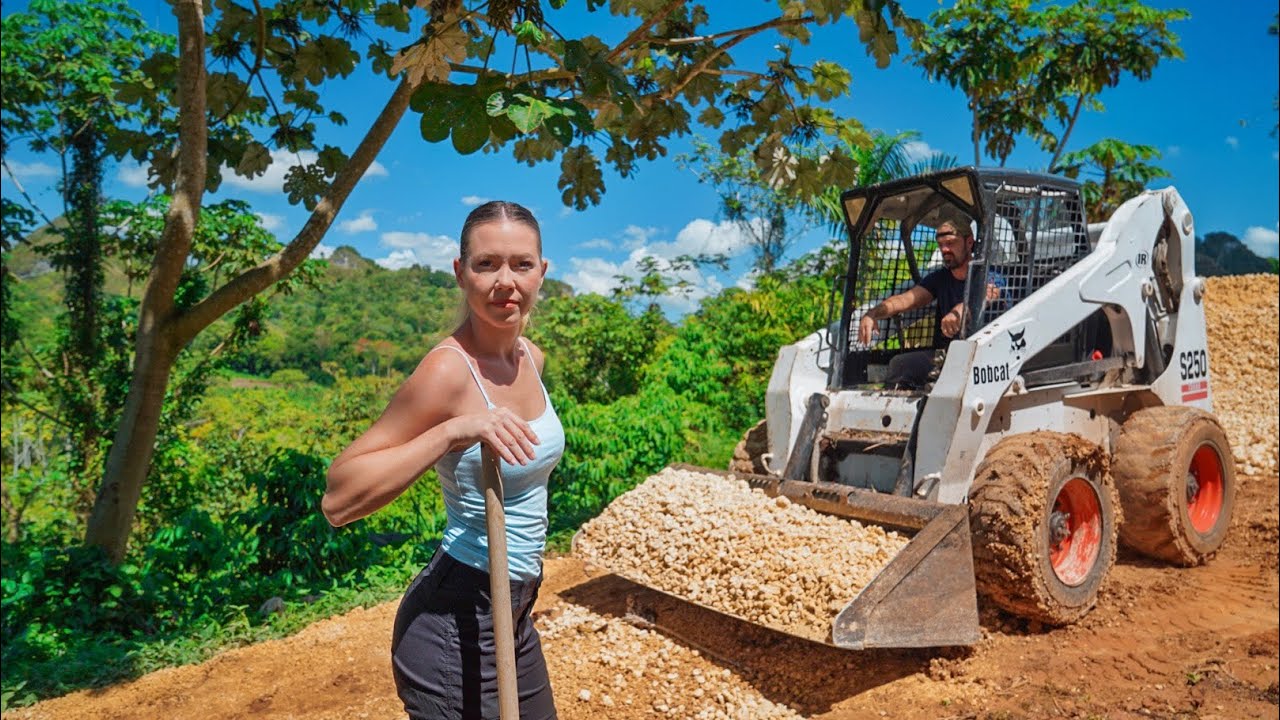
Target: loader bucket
(924, 597)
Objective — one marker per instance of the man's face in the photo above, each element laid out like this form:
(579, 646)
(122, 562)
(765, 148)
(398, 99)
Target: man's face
(956, 247)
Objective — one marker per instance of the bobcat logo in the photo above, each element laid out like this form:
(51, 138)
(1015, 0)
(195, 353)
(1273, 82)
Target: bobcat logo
(1016, 342)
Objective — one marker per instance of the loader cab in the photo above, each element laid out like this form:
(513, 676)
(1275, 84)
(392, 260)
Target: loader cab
(1028, 228)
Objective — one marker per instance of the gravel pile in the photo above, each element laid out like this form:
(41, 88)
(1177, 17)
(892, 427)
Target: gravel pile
(1242, 313)
(714, 540)
(611, 669)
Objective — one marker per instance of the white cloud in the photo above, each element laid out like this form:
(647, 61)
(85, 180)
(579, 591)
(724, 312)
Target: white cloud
(1173, 151)
(593, 275)
(474, 200)
(706, 237)
(399, 260)
(322, 251)
(270, 223)
(699, 236)
(597, 244)
(434, 251)
(1264, 242)
(30, 171)
(132, 174)
(272, 181)
(1233, 141)
(635, 236)
(917, 150)
(364, 222)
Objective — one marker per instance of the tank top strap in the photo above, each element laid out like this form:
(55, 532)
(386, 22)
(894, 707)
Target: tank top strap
(532, 364)
(474, 375)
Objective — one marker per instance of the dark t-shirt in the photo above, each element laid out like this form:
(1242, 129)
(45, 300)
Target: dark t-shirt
(947, 292)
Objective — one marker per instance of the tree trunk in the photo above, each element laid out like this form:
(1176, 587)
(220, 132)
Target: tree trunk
(155, 350)
(162, 333)
(977, 138)
(1062, 142)
(131, 451)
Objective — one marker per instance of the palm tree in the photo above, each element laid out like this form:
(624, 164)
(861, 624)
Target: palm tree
(887, 158)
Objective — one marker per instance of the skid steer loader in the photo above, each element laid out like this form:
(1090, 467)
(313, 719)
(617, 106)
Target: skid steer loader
(1073, 411)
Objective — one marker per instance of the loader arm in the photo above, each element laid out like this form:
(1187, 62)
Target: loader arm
(1117, 275)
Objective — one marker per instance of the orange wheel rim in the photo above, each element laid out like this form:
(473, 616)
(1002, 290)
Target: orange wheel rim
(1075, 531)
(1204, 489)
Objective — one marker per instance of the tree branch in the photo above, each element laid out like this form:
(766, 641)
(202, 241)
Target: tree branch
(258, 278)
(13, 394)
(184, 209)
(257, 65)
(1057, 153)
(741, 35)
(23, 190)
(634, 36)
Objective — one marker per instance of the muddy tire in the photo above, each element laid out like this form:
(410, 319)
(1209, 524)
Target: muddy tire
(748, 456)
(1177, 482)
(1043, 512)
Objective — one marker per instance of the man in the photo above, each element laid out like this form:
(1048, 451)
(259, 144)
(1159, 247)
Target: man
(946, 286)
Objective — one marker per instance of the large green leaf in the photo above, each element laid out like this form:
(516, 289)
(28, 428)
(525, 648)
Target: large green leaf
(470, 126)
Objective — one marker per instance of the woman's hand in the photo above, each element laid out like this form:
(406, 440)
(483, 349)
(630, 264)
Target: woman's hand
(506, 433)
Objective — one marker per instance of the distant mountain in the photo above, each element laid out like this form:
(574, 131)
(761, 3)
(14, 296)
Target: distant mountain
(1220, 253)
(347, 258)
(360, 317)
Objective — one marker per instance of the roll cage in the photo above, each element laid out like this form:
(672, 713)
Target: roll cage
(1029, 227)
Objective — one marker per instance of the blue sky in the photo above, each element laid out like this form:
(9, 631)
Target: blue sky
(1211, 116)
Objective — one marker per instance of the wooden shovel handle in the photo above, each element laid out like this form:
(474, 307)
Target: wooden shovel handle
(499, 585)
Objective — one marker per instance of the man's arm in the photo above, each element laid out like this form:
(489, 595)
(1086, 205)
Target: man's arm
(916, 297)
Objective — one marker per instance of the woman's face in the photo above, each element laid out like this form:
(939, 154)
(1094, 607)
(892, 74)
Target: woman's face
(502, 273)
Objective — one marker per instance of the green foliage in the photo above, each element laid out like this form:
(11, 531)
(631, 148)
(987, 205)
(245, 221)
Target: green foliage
(599, 347)
(556, 92)
(362, 320)
(767, 216)
(1113, 171)
(1029, 69)
(62, 61)
(882, 159)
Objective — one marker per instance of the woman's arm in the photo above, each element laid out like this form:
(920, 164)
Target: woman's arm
(418, 427)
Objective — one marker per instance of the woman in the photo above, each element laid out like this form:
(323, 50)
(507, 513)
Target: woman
(481, 385)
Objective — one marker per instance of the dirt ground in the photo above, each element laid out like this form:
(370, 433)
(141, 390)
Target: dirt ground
(1163, 642)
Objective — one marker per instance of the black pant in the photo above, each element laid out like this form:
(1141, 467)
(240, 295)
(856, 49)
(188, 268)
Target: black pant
(909, 370)
(442, 649)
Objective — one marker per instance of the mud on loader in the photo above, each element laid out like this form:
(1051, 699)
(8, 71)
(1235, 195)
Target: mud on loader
(1072, 412)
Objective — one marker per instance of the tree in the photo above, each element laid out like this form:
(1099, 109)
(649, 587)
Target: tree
(59, 63)
(1031, 68)
(582, 93)
(600, 346)
(1117, 171)
(885, 157)
(763, 213)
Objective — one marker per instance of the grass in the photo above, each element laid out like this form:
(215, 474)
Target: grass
(111, 658)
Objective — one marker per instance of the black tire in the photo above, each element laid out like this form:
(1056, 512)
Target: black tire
(1020, 485)
(748, 456)
(1159, 452)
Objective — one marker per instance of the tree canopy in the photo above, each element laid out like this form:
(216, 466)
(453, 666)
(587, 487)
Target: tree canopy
(1030, 68)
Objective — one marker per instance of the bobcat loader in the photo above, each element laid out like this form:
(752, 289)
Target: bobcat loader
(1072, 412)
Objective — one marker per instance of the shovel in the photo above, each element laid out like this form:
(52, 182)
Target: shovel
(499, 585)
